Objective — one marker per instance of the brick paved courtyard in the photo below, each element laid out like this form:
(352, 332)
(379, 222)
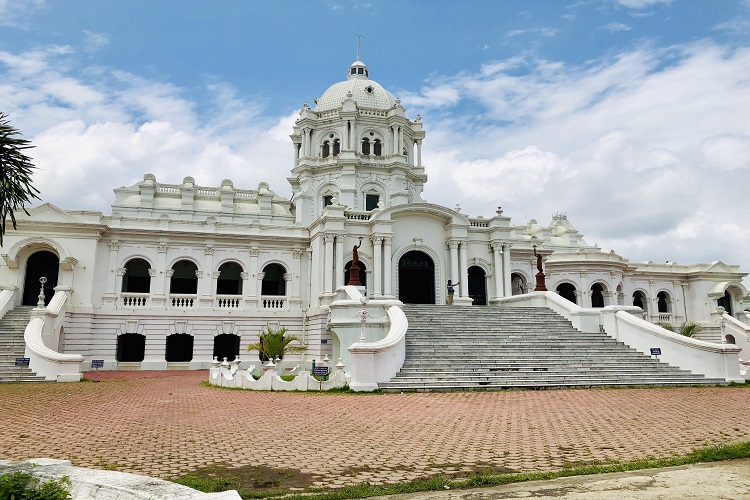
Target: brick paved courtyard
(168, 423)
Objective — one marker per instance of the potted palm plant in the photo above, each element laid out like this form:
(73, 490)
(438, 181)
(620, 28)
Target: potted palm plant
(274, 343)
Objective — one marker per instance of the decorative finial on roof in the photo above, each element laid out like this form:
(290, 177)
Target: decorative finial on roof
(359, 38)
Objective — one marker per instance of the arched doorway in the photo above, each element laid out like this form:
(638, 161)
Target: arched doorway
(597, 295)
(663, 302)
(477, 286)
(226, 345)
(43, 263)
(416, 278)
(726, 302)
(567, 291)
(362, 273)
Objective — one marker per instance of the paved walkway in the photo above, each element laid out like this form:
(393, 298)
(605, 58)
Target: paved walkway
(168, 423)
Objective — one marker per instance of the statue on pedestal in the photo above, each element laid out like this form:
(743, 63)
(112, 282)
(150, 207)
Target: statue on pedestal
(354, 269)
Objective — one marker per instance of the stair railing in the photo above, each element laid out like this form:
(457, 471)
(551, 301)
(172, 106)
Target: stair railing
(740, 332)
(42, 338)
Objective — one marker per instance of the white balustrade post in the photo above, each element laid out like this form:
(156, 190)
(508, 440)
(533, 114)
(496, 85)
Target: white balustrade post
(507, 270)
(463, 250)
(377, 266)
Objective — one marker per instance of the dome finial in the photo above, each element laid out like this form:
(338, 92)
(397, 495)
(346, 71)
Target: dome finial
(359, 39)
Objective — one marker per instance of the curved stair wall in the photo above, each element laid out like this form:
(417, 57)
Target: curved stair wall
(42, 337)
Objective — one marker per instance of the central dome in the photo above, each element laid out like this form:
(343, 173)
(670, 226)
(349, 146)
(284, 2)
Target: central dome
(365, 92)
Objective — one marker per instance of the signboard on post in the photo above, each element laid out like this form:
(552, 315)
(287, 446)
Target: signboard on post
(97, 363)
(321, 371)
(22, 361)
(656, 351)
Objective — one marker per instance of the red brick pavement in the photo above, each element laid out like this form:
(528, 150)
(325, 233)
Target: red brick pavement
(168, 423)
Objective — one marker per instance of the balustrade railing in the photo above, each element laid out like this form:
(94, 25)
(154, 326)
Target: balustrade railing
(479, 223)
(134, 300)
(273, 302)
(665, 318)
(183, 301)
(228, 301)
(358, 215)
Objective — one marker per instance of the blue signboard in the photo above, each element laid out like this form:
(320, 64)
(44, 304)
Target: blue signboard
(22, 361)
(656, 351)
(97, 363)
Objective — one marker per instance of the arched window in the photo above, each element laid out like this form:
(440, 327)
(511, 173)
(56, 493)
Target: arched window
(365, 146)
(230, 281)
(663, 302)
(371, 201)
(597, 295)
(131, 348)
(179, 348)
(336, 147)
(517, 284)
(136, 278)
(326, 149)
(184, 279)
(226, 345)
(378, 148)
(273, 280)
(567, 291)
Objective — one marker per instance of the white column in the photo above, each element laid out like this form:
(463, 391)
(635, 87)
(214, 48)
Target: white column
(296, 278)
(328, 263)
(463, 252)
(497, 261)
(507, 269)
(247, 291)
(394, 143)
(259, 289)
(585, 291)
(206, 286)
(339, 271)
(400, 140)
(419, 152)
(377, 266)
(253, 291)
(387, 265)
(453, 246)
(114, 247)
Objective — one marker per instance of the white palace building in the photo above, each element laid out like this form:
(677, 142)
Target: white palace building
(178, 274)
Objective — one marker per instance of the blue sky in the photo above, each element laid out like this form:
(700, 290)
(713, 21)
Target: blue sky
(629, 115)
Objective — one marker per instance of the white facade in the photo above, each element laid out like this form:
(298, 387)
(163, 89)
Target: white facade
(179, 265)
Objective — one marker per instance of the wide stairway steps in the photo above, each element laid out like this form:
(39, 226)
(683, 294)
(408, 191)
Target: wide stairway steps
(12, 346)
(451, 348)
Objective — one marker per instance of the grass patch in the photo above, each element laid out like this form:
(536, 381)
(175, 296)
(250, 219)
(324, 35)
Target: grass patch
(227, 479)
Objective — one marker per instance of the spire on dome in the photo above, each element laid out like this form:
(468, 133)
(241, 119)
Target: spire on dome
(358, 69)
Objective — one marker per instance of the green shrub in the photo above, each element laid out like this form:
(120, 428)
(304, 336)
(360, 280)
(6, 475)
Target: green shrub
(24, 486)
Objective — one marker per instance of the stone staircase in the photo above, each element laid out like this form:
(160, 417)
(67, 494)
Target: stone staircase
(12, 346)
(489, 348)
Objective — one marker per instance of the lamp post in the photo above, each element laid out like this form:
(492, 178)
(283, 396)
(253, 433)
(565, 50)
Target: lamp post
(40, 303)
(540, 285)
(362, 315)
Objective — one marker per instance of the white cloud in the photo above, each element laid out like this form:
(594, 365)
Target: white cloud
(641, 4)
(101, 129)
(15, 13)
(615, 27)
(95, 41)
(645, 150)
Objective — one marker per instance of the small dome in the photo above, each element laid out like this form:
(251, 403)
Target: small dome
(365, 92)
